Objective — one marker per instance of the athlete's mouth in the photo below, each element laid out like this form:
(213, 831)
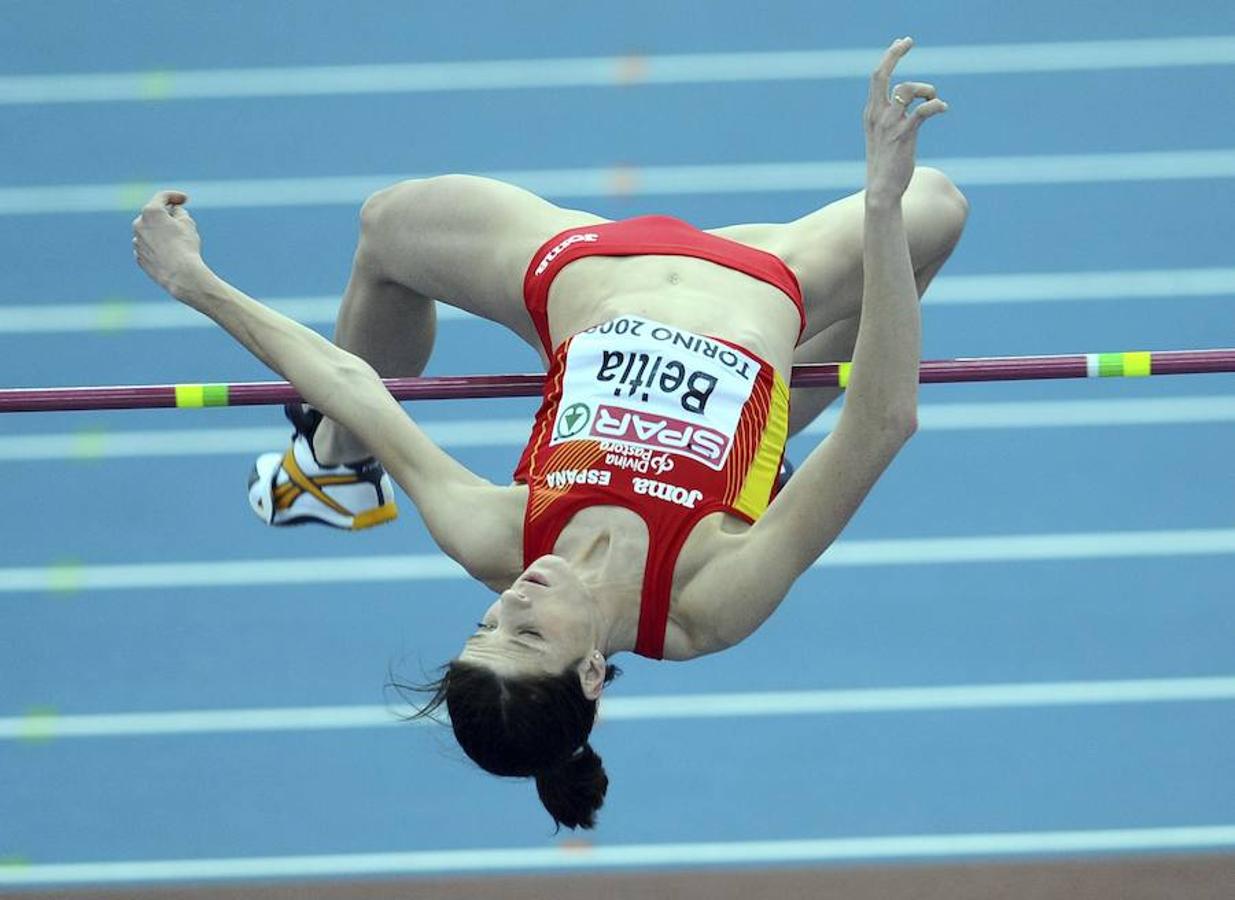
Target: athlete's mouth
(535, 578)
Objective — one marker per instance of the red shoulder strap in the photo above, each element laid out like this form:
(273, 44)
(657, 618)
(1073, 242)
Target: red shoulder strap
(664, 546)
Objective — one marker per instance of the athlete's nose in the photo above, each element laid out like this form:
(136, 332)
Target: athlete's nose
(515, 598)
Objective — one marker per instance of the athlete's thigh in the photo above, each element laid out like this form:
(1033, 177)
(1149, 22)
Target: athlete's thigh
(824, 248)
(463, 240)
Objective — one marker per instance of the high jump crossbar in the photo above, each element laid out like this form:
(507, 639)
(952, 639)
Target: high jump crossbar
(457, 387)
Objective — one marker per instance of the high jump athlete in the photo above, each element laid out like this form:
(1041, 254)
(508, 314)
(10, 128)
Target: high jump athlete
(641, 516)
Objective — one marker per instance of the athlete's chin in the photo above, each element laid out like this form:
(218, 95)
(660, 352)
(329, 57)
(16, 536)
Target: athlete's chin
(546, 570)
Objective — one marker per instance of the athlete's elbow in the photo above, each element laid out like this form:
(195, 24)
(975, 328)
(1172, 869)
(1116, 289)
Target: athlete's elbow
(896, 434)
(904, 424)
(349, 380)
(897, 415)
(352, 369)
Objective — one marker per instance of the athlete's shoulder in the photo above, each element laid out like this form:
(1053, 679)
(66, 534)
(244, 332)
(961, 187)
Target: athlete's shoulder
(706, 597)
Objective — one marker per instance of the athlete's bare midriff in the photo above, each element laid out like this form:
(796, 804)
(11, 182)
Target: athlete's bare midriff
(688, 293)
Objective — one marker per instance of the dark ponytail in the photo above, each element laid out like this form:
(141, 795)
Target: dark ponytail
(573, 790)
(531, 726)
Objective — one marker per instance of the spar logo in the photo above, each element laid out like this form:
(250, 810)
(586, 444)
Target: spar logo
(557, 251)
(572, 420)
(645, 429)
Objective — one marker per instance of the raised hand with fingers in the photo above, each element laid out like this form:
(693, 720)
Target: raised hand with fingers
(892, 124)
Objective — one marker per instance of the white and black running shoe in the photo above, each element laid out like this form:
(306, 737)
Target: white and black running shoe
(292, 488)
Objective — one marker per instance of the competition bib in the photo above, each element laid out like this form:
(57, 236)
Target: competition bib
(649, 389)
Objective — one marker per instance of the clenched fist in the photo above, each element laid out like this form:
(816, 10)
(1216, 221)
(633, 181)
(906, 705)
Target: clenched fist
(166, 243)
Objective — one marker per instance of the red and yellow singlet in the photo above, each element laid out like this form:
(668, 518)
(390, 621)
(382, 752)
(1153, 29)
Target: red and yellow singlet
(670, 424)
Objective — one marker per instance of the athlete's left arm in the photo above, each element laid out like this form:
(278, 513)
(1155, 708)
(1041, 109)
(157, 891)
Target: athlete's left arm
(748, 581)
(749, 574)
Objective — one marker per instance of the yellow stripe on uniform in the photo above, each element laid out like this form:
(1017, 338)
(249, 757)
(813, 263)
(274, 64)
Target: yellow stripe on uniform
(753, 500)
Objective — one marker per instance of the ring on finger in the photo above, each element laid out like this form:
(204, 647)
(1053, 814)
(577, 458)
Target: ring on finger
(899, 99)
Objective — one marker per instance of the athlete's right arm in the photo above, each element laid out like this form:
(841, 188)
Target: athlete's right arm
(475, 522)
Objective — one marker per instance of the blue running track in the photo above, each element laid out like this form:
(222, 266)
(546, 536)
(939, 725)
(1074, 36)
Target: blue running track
(1023, 644)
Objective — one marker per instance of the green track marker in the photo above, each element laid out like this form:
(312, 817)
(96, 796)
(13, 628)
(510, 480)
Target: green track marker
(133, 196)
(38, 724)
(114, 314)
(64, 576)
(90, 443)
(156, 85)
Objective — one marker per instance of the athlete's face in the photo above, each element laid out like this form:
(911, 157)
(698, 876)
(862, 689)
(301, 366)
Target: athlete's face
(541, 624)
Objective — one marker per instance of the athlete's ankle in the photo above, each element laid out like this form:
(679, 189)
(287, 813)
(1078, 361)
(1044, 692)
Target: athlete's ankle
(334, 445)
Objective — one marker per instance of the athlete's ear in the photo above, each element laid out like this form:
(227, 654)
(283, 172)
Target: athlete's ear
(592, 674)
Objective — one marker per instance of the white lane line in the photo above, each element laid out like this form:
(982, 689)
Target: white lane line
(46, 725)
(1018, 414)
(947, 290)
(93, 444)
(69, 577)
(1032, 547)
(609, 71)
(123, 315)
(1038, 287)
(622, 856)
(72, 577)
(906, 699)
(665, 181)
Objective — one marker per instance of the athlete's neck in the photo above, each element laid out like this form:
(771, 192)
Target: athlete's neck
(609, 561)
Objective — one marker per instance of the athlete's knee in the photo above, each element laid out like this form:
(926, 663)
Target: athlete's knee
(422, 202)
(948, 206)
(397, 201)
(396, 221)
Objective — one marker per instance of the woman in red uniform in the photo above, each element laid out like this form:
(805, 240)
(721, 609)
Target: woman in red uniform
(641, 517)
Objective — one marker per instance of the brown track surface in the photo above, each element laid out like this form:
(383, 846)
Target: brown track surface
(1158, 878)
